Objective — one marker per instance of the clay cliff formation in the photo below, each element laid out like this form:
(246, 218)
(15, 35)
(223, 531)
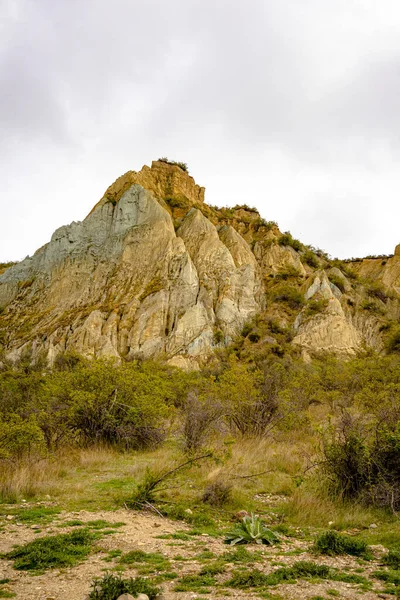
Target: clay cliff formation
(154, 271)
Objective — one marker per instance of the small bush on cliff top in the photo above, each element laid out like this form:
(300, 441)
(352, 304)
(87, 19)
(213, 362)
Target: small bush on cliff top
(310, 258)
(287, 239)
(337, 281)
(176, 163)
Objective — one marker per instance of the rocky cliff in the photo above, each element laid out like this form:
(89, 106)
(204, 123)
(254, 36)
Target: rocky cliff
(154, 271)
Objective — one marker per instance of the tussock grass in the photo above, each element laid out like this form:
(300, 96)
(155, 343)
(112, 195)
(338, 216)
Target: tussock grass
(309, 506)
(38, 477)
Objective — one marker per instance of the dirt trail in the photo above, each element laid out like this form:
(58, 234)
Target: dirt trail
(140, 533)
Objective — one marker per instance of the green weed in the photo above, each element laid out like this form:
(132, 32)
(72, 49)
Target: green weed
(299, 570)
(53, 551)
(195, 583)
(242, 555)
(151, 560)
(110, 587)
(392, 559)
(35, 515)
(214, 568)
(101, 524)
(333, 543)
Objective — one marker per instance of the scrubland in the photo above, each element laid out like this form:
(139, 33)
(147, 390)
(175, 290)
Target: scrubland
(176, 460)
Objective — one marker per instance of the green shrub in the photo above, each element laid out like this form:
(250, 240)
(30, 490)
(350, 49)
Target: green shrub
(195, 583)
(6, 265)
(254, 337)
(201, 415)
(390, 576)
(348, 457)
(274, 327)
(54, 551)
(20, 438)
(371, 306)
(286, 273)
(110, 587)
(310, 259)
(315, 307)
(286, 239)
(337, 281)
(218, 337)
(242, 555)
(288, 294)
(103, 402)
(364, 461)
(393, 342)
(245, 579)
(247, 328)
(249, 398)
(333, 543)
(145, 562)
(376, 290)
(260, 222)
(392, 559)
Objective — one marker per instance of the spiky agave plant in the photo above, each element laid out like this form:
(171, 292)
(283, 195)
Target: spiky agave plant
(251, 530)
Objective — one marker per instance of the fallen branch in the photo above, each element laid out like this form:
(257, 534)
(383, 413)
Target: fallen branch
(255, 474)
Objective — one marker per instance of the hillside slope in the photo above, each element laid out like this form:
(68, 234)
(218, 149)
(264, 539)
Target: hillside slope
(154, 271)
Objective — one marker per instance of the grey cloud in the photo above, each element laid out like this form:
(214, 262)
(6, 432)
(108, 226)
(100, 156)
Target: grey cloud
(92, 88)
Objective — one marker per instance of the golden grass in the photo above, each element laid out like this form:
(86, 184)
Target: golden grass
(101, 478)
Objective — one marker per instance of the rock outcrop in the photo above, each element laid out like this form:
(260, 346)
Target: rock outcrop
(385, 270)
(124, 283)
(329, 330)
(154, 271)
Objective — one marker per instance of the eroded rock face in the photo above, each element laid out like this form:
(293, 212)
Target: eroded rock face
(123, 283)
(330, 330)
(163, 180)
(153, 271)
(385, 271)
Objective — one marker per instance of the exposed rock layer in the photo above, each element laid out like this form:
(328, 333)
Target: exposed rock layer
(153, 271)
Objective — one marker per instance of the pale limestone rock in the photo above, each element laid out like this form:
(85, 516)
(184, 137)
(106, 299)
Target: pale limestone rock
(383, 271)
(319, 284)
(231, 288)
(122, 283)
(275, 258)
(329, 332)
(184, 363)
(161, 179)
(338, 273)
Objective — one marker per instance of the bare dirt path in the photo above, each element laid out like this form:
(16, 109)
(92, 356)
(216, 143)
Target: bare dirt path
(141, 531)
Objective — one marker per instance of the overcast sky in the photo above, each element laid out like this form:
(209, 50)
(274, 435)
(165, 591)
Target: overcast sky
(292, 106)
